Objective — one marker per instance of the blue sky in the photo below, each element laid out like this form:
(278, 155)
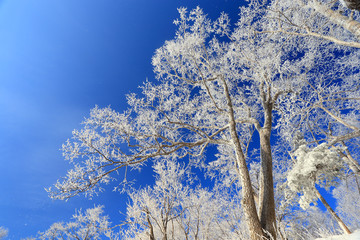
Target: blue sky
(58, 59)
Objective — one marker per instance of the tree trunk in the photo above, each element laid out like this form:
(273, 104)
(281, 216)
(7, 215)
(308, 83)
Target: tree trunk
(267, 201)
(248, 202)
(333, 213)
(266, 191)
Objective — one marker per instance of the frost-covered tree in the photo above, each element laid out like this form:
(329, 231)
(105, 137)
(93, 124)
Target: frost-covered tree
(88, 225)
(3, 232)
(329, 112)
(218, 86)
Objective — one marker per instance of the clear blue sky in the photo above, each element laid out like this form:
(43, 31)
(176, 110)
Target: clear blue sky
(58, 59)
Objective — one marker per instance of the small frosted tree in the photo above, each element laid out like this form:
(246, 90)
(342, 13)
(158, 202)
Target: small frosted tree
(3, 232)
(154, 210)
(172, 210)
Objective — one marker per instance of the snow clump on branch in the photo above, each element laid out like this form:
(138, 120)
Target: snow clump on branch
(319, 165)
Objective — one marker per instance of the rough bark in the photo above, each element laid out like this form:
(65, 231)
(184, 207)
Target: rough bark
(333, 213)
(267, 201)
(248, 202)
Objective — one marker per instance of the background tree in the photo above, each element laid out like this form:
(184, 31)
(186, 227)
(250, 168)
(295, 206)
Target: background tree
(171, 210)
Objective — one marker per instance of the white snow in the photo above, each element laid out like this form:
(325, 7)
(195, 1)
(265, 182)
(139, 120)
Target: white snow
(354, 236)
